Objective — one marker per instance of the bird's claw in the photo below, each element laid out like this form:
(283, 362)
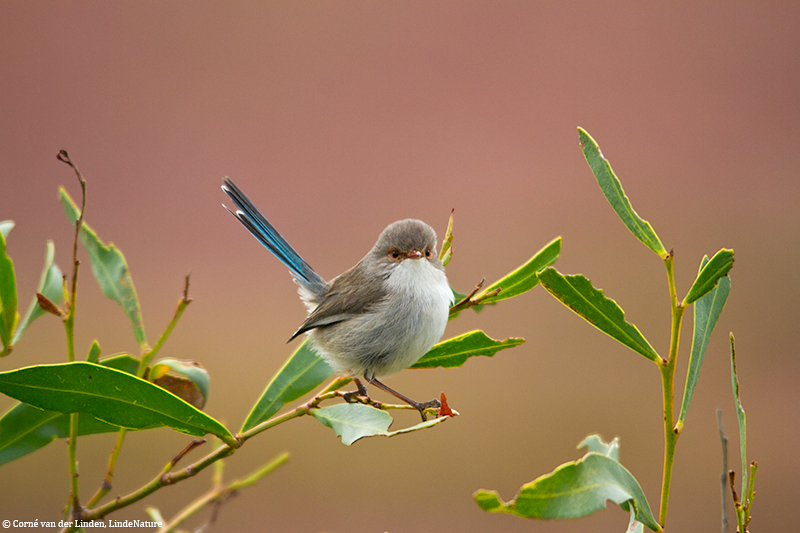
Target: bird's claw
(421, 407)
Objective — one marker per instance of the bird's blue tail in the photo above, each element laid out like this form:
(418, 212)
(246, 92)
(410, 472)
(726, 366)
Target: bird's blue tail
(267, 235)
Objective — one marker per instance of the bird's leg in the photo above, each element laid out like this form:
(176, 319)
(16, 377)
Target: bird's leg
(416, 405)
(362, 391)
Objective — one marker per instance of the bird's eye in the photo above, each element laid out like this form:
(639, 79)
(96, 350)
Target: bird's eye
(394, 253)
(428, 251)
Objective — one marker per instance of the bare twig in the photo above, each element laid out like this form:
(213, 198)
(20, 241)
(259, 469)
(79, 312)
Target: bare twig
(723, 477)
(69, 325)
(467, 301)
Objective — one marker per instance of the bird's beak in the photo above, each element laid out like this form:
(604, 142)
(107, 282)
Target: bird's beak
(414, 254)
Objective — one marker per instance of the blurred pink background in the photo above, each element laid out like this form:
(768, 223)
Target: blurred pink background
(339, 118)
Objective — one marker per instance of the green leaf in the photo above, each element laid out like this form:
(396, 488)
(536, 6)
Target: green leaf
(109, 268)
(612, 189)
(25, 429)
(575, 489)
(193, 390)
(446, 252)
(50, 284)
(303, 372)
(740, 416)
(124, 362)
(108, 394)
(577, 293)
(191, 369)
(353, 421)
(94, 355)
(709, 275)
(524, 278)
(8, 296)
(706, 312)
(5, 227)
(454, 352)
(634, 526)
(596, 445)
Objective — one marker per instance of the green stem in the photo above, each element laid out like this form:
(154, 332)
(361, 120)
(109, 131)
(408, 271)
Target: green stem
(161, 480)
(220, 493)
(112, 463)
(667, 385)
(149, 355)
(166, 477)
(280, 419)
(69, 325)
(751, 493)
(73, 464)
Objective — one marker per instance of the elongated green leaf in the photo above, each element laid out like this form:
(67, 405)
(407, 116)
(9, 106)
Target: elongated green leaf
(50, 284)
(25, 429)
(575, 489)
(303, 372)
(740, 416)
(524, 278)
(706, 312)
(353, 421)
(108, 394)
(109, 268)
(8, 296)
(5, 227)
(454, 352)
(577, 293)
(612, 189)
(709, 275)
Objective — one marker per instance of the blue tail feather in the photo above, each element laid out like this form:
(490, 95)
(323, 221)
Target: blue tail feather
(252, 219)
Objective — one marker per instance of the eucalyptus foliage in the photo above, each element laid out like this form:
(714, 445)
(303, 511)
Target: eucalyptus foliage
(125, 393)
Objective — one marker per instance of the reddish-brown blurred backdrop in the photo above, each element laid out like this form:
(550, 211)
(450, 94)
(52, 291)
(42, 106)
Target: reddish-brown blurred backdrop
(338, 118)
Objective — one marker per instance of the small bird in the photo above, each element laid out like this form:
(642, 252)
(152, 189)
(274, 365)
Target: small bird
(378, 317)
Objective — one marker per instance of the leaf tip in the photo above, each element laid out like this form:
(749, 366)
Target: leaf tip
(489, 500)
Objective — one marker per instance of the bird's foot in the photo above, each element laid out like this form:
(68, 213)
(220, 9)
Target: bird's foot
(357, 396)
(422, 406)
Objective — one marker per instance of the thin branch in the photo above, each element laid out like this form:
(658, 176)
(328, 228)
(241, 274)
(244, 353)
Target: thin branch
(723, 477)
(467, 301)
(167, 477)
(219, 494)
(181, 307)
(667, 369)
(105, 487)
(751, 493)
(69, 325)
(112, 462)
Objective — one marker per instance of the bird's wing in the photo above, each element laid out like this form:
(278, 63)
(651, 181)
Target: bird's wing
(352, 293)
